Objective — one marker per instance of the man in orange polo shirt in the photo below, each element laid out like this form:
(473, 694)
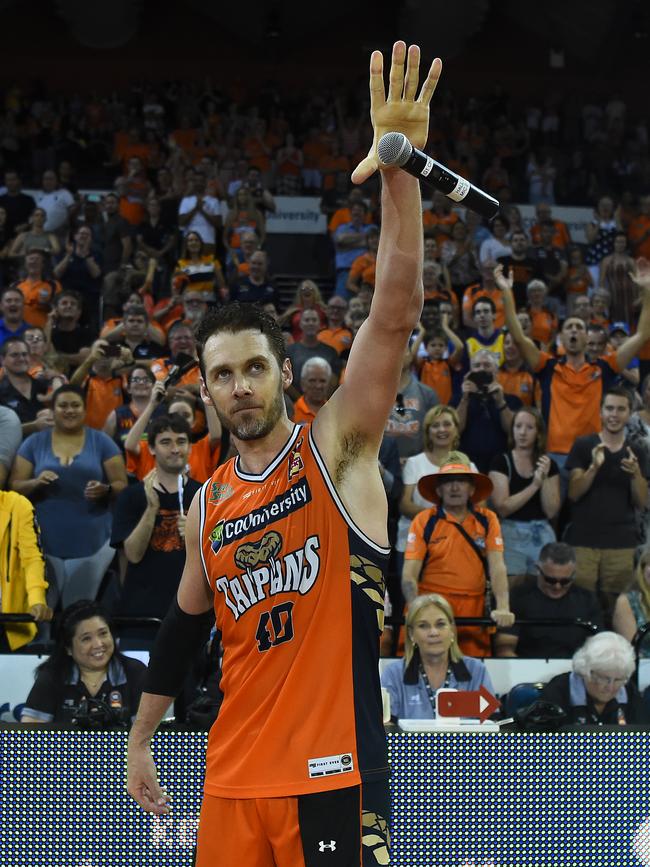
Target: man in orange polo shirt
(37, 292)
(316, 385)
(337, 334)
(561, 236)
(455, 547)
(572, 386)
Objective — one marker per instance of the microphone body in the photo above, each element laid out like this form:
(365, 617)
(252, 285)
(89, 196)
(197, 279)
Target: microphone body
(396, 150)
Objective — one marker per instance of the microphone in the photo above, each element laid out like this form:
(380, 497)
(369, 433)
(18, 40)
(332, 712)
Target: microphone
(396, 150)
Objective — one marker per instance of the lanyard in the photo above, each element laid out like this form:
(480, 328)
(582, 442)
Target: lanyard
(429, 688)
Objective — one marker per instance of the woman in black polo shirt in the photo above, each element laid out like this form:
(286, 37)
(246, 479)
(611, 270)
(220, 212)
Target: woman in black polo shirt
(85, 667)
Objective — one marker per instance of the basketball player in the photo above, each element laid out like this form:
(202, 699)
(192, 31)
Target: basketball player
(287, 545)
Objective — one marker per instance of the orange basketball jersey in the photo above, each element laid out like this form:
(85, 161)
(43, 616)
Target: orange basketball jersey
(298, 597)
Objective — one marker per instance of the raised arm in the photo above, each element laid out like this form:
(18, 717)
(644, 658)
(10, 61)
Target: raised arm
(132, 442)
(631, 347)
(526, 346)
(360, 407)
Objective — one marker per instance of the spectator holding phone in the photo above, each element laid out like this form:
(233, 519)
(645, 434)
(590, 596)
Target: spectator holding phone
(484, 414)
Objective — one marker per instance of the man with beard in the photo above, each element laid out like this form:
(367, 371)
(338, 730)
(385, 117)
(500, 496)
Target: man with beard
(572, 386)
(287, 545)
(608, 482)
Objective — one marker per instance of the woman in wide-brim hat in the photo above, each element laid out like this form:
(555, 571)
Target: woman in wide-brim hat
(457, 464)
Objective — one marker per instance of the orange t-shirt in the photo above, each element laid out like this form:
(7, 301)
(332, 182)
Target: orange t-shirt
(342, 216)
(544, 325)
(338, 338)
(302, 414)
(519, 383)
(102, 397)
(364, 266)
(202, 460)
(638, 228)
(452, 568)
(561, 238)
(160, 369)
(292, 577)
(571, 398)
(476, 291)
(443, 223)
(437, 375)
(38, 295)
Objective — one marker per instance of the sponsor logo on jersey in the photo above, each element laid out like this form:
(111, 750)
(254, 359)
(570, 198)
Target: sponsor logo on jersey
(328, 765)
(232, 529)
(219, 492)
(295, 461)
(265, 572)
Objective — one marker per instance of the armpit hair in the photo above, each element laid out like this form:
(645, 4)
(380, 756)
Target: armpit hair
(352, 445)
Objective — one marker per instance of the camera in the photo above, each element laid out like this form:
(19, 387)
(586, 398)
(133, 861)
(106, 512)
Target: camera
(481, 379)
(94, 713)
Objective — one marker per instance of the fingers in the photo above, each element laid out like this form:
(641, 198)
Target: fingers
(412, 72)
(377, 92)
(431, 82)
(396, 76)
(151, 799)
(365, 169)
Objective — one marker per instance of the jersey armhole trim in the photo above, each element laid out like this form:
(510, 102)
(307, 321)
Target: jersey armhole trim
(338, 502)
(202, 495)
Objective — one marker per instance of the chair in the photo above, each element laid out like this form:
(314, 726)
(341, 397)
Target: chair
(520, 696)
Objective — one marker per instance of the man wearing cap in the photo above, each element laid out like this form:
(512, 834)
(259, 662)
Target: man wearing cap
(455, 548)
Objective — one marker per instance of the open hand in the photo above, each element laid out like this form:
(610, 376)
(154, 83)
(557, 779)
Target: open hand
(630, 464)
(401, 112)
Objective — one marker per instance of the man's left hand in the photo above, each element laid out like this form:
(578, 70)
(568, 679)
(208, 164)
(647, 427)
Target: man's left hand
(401, 111)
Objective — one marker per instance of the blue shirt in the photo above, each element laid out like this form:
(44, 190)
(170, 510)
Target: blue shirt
(71, 525)
(6, 333)
(410, 701)
(345, 258)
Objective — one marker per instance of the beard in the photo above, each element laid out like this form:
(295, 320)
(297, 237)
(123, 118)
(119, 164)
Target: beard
(255, 428)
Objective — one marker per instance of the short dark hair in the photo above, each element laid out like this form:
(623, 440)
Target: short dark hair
(557, 552)
(146, 370)
(12, 288)
(136, 310)
(484, 299)
(238, 317)
(618, 391)
(69, 293)
(68, 388)
(10, 342)
(60, 663)
(160, 424)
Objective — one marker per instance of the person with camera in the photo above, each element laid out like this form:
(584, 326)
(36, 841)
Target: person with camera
(484, 411)
(85, 680)
(98, 376)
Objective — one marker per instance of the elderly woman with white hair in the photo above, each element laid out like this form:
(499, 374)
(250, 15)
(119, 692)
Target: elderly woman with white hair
(598, 690)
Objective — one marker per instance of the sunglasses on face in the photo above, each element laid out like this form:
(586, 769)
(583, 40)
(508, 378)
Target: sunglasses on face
(556, 582)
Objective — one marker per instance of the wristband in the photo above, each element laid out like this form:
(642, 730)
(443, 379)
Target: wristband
(178, 643)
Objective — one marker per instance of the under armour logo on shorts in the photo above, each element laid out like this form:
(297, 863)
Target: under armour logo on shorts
(322, 846)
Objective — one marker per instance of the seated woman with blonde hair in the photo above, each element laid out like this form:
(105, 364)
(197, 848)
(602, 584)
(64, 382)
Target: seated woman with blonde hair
(432, 661)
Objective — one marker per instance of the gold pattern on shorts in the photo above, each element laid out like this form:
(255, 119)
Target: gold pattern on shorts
(376, 836)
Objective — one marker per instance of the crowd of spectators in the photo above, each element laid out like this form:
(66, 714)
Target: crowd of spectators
(524, 394)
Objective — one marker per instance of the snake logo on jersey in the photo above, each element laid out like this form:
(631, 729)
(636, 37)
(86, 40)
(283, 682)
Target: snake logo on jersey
(265, 572)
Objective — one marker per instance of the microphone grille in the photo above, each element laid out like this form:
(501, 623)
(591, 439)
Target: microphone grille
(394, 149)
